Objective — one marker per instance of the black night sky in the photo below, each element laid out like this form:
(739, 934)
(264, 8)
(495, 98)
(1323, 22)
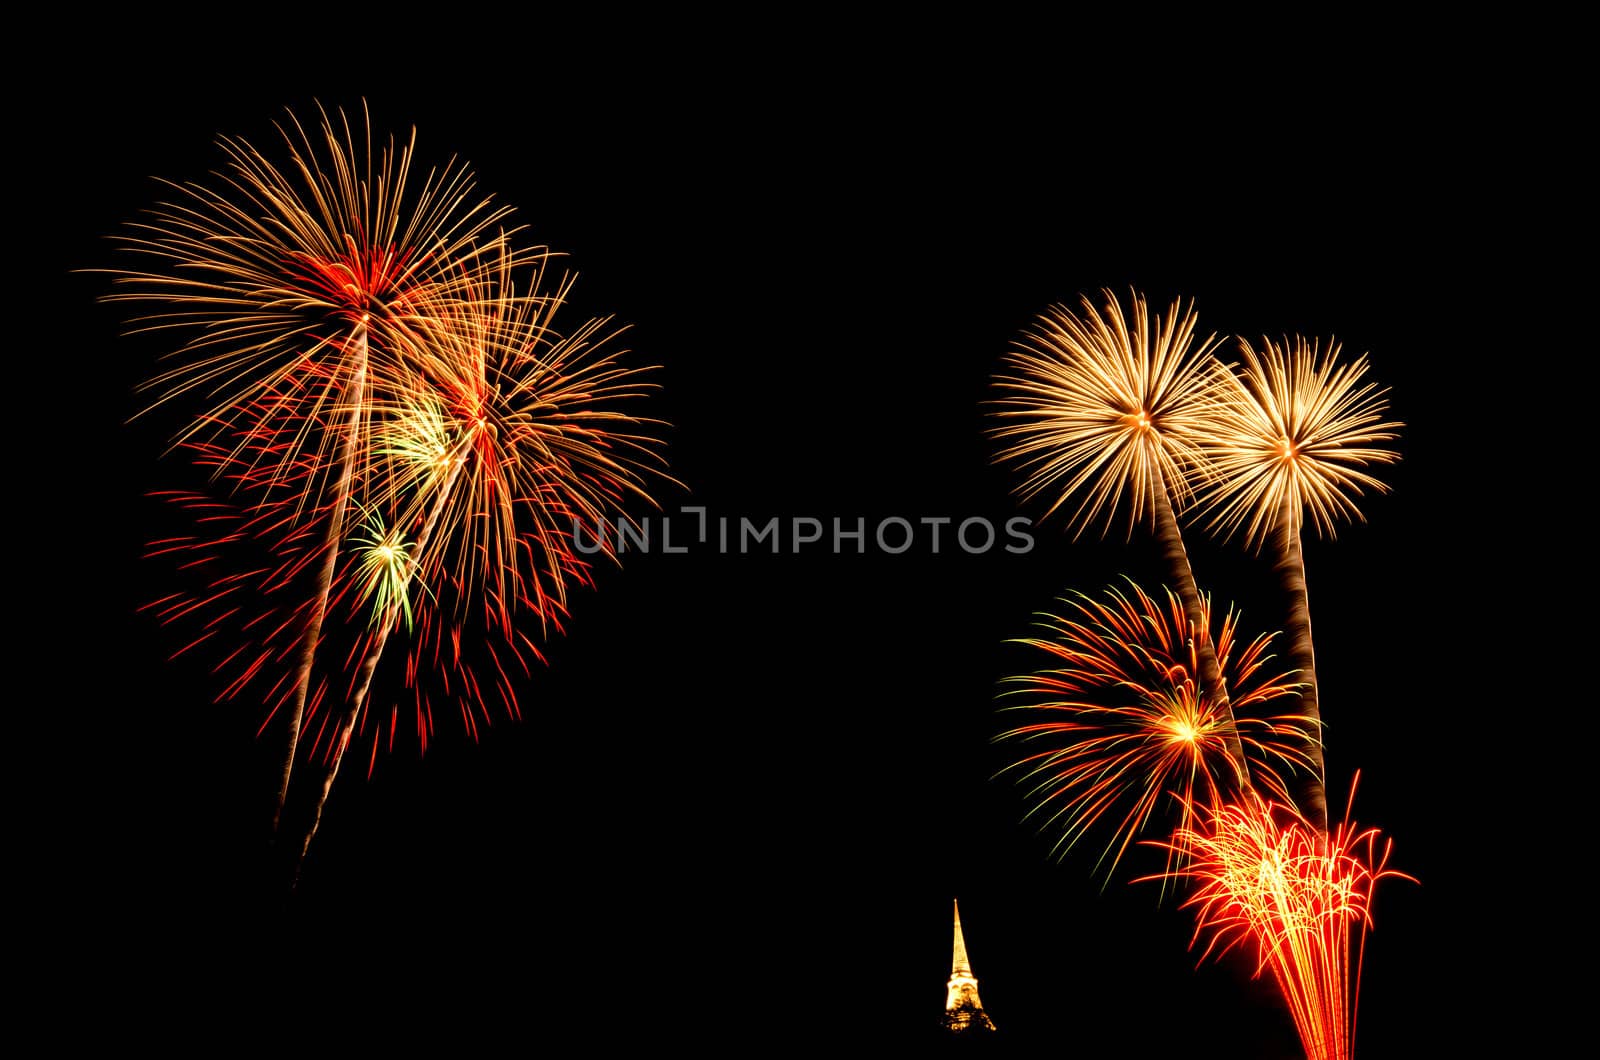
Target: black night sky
(747, 786)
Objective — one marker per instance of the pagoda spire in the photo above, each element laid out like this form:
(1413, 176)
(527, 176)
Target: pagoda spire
(959, 965)
(962, 1010)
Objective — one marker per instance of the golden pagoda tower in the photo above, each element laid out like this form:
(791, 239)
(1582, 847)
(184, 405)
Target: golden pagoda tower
(963, 1011)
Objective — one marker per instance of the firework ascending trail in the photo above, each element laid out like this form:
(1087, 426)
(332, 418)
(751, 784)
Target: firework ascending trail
(1300, 896)
(1115, 412)
(1290, 439)
(405, 439)
(1128, 733)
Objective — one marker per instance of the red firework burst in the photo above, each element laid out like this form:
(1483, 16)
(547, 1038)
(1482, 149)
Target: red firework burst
(1267, 880)
(1127, 730)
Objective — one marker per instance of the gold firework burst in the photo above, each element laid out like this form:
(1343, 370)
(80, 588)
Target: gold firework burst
(1291, 438)
(384, 563)
(1109, 405)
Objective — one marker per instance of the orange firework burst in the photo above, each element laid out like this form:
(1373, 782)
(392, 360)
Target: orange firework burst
(1301, 896)
(469, 487)
(338, 259)
(520, 433)
(300, 289)
(407, 439)
(1129, 731)
(1290, 439)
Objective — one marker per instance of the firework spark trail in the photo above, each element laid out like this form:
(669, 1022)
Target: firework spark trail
(1290, 437)
(391, 598)
(1266, 877)
(330, 548)
(1127, 726)
(1117, 413)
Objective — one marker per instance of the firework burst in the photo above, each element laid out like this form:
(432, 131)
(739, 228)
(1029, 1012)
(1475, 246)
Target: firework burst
(535, 423)
(1288, 443)
(1291, 438)
(1298, 895)
(384, 561)
(1108, 410)
(295, 290)
(341, 258)
(403, 439)
(1127, 729)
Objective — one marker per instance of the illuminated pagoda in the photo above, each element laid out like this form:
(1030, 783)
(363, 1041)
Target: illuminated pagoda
(963, 1012)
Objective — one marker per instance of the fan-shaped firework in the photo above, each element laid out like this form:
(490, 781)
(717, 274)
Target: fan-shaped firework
(1128, 732)
(1116, 413)
(1268, 879)
(1291, 439)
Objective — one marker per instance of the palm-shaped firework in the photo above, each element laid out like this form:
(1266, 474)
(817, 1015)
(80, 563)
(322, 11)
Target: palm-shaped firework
(404, 436)
(1112, 410)
(1288, 444)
